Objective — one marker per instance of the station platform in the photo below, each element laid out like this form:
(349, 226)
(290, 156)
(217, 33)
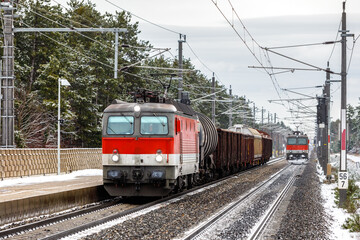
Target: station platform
(38, 195)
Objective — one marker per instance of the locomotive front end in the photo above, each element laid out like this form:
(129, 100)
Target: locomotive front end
(140, 150)
(297, 146)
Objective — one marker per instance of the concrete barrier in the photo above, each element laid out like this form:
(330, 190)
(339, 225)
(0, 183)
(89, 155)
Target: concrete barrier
(35, 161)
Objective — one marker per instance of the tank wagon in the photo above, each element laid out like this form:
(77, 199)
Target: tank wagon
(297, 146)
(154, 146)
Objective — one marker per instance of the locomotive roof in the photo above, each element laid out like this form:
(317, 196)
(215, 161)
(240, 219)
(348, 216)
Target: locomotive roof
(168, 107)
(296, 136)
(181, 107)
(145, 107)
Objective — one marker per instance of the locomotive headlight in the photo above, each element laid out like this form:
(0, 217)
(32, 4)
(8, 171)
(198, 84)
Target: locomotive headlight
(115, 156)
(136, 108)
(159, 157)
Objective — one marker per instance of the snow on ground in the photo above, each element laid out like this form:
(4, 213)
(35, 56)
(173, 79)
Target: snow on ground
(49, 178)
(338, 215)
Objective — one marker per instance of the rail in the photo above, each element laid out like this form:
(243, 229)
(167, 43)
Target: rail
(255, 234)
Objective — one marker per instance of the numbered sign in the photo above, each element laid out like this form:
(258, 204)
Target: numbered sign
(343, 178)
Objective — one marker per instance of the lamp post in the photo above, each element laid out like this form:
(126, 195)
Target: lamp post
(61, 82)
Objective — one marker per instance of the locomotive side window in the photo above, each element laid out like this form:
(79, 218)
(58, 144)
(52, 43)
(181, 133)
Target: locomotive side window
(291, 141)
(157, 125)
(302, 141)
(120, 125)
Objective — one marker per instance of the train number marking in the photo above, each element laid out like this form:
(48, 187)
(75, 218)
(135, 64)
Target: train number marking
(343, 180)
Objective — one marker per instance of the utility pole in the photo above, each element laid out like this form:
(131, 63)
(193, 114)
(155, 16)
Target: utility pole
(116, 54)
(262, 115)
(328, 121)
(180, 48)
(7, 78)
(343, 175)
(213, 99)
(324, 146)
(230, 115)
(322, 133)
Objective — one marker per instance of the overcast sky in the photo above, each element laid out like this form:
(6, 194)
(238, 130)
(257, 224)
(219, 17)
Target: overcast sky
(271, 23)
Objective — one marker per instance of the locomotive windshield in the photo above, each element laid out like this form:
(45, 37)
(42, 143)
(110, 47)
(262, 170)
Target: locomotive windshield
(291, 141)
(297, 141)
(302, 141)
(154, 125)
(120, 125)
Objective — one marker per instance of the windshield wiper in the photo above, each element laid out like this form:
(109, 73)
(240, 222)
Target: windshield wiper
(126, 118)
(162, 123)
(111, 130)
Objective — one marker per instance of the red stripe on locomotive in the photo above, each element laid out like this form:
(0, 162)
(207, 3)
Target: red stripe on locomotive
(139, 146)
(297, 147)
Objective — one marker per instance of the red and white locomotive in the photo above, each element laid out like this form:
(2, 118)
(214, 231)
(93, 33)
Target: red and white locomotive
(297, 146)
(153, 146)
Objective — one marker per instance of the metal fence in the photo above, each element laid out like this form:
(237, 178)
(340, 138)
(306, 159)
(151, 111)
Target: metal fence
(34, 161)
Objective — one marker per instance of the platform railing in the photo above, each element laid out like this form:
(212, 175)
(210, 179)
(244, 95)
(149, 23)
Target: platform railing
(21, 162)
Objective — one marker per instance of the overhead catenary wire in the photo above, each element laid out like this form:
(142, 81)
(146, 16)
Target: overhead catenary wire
(337, 35)
(72, 49)
(193, 52)
(165, 68)
(157, 25)
(164, 28)
(169, 30)
(83, 35)
(302, 62)
(351, 55)
(84, 55)
(211, 94)
(304, 45)
(273, 78)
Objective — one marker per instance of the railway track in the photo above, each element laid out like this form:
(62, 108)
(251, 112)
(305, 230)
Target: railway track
(134, 210)
(200, 232)
(19, 230)
(113, 210)
(256, 233)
